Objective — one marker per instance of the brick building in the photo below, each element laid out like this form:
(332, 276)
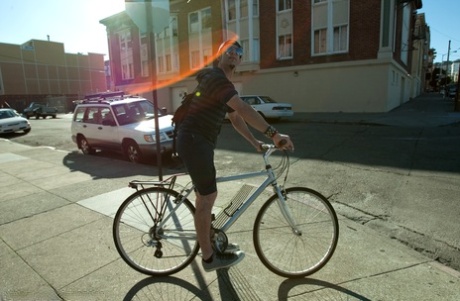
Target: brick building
(41, 71)
(320, 55)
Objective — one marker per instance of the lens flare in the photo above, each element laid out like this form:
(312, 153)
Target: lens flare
(156, 85)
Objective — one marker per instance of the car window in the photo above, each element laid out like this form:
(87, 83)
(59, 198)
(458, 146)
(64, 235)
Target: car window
(79, 114)
(107, 116)
(5, 114)
(251, 100)
(93, 115)
(267, 99)
(133, 112)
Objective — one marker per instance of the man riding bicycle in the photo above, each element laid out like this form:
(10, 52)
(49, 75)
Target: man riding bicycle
(215, 97)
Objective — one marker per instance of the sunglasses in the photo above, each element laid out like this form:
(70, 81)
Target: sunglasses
(237, 50)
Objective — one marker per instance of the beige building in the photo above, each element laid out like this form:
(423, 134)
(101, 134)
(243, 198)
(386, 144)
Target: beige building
(41, 71)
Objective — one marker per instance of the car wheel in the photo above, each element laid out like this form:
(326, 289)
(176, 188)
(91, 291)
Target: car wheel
(84, 146)
(132, 152)
(37, 116)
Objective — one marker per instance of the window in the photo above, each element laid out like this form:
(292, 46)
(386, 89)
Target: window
(195, 59)
(239, 9)
(243, 8)
(174, 27)
(284, 29)
(207, 53)
(193, 22)
(161, 64)
(245, 45)
(166, 44)
(320, 41)
(144, 56)
(200, 40)
(199, 20)
(126, 54)
(168, 63)
(285, 46)
(284, 5)
(231, 4)
(330, 26)
(206, 18)
(340, 41)
(255, 8)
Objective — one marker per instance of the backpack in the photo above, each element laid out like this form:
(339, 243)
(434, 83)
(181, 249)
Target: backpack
(179, 116)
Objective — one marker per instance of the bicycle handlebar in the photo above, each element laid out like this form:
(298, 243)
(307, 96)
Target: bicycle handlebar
(267, 146)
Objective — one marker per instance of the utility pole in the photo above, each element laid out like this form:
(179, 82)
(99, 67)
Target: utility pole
(153, 75)
(456, 100)
(151, 16)
(446, 89)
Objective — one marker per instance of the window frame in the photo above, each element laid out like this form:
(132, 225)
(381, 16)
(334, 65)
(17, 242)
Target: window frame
(331, 43)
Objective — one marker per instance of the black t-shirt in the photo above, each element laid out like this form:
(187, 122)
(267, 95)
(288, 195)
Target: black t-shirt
(209, 106)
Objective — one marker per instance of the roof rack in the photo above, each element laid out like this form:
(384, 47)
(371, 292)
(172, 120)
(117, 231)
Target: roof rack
(104, 95)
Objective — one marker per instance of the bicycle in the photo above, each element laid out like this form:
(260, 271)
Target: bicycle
(295, 232)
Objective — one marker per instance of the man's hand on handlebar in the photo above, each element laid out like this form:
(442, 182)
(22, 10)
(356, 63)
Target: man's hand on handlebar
(283, 142)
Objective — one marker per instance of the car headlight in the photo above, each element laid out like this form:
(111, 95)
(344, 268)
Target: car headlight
(151, 138)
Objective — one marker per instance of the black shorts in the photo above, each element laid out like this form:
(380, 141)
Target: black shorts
(197, 153)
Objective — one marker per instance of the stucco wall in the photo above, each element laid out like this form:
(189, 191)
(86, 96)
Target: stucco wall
(366, 86)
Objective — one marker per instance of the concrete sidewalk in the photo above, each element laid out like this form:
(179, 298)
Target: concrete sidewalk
(56, 243)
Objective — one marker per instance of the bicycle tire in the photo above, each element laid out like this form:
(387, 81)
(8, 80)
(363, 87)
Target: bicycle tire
(144, 244)
(291, 254)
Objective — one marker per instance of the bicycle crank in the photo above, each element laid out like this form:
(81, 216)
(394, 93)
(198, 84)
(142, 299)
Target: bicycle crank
(219, 240)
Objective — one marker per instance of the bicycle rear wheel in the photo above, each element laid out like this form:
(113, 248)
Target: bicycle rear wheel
(304, 249)
(154, 232)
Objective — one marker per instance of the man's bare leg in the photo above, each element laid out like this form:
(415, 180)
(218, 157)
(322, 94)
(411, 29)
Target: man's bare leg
(203, 216)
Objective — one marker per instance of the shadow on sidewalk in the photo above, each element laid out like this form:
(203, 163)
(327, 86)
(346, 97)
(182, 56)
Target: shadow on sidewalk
(169, 288)
(323, 290)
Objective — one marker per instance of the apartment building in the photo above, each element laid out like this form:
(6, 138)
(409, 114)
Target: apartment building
(41, 71)
(319, 55)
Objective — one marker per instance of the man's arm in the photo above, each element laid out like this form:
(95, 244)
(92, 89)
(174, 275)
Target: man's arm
(249, 115)
(241, 127)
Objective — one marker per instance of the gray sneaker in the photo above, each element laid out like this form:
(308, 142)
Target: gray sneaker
(223, 261)
(232, 248)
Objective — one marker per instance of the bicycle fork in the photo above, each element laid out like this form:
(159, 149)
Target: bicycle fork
(284, 208)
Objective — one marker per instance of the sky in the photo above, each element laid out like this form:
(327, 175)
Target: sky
(442, 16)
(75, 23)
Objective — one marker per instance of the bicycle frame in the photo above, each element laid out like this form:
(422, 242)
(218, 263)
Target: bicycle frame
(270, 180)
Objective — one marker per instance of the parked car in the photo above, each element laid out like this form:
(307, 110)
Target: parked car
(39, 110)
(11, 122)
(124, 124)
(267, 107)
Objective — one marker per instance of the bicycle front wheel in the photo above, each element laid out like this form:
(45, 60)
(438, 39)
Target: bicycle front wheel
(305, 244)
(154, 231)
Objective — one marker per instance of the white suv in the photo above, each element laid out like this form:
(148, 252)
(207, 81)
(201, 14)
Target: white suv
(120, 123)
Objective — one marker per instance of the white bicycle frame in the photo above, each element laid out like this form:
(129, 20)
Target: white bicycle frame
(270, 180)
